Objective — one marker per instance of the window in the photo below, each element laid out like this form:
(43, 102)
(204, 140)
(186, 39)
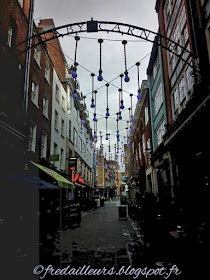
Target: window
(146, 115)
(143, 144)
(69, 129)
(32, 138)
(84, 149)
(63, 103)
(160, 132)
(182, 89)
(176, 34)
(189, 78)
(37, 55)
(155, 67)
(80, 144)
(182, 18)
(175, 100)
(47, 73)
(158, 99)
(56, 120)
(34, 93)
(62, 158)
(44, 145)
(185, 35)
(62, 127)
(21, 3)
(148, 144)
(45, 106)
(75, 112)
(75, 137)
(55, 149)
(57, 93)
(9, 40)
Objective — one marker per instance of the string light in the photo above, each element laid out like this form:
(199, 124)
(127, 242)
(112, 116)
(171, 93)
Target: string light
(126, 79)
(100, 78)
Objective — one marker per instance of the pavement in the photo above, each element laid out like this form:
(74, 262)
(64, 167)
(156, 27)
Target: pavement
(101, 240)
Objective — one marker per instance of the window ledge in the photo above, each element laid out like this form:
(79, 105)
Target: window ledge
(35, 104)
(45, 116)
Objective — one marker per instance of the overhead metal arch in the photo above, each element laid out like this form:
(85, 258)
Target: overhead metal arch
(178, 50)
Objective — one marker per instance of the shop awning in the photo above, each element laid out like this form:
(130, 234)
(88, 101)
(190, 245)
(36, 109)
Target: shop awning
(62, 182)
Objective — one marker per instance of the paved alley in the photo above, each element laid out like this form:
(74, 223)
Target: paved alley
(102, 240)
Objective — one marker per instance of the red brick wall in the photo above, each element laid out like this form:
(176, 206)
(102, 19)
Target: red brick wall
(55, 51)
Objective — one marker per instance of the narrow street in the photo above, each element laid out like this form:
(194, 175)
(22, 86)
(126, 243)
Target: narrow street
(102, 240)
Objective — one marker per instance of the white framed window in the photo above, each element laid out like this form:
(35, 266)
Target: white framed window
(62, 127)
(148, 144)
(45, 106)
(21, 3)
(189, 77)
(9, 38)
(175, 100)
(69, 129)
(32, 138)
(80, 144)
(146, 115)
(47, 73)
(160, 132)
(56, 120)
(55, 149)
(57, 93)
(75, 137)
(182, 17)
(34, 93)
(44, 145)
(61, 158)
(143, 144)
(182, 89)
(37, 55)
(158, 98)
(63, 102)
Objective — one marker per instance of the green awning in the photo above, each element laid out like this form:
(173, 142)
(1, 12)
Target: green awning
(62, 182)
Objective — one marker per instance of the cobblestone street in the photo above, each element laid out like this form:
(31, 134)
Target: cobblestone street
(102, 240)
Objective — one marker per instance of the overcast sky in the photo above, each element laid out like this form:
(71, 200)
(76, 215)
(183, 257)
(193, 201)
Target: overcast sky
(135, 12)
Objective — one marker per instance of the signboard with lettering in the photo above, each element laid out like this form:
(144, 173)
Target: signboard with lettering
(72, 163)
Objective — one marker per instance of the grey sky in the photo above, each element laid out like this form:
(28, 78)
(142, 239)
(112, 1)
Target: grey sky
(135, 12)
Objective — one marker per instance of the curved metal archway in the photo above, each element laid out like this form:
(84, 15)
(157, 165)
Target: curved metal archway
(121, 28)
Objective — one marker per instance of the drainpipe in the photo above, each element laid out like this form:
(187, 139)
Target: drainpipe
(28, 59)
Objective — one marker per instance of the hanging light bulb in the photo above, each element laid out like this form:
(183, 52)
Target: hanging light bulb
(126, 79)
(95, 140)
(120, 116)
(121, 105)
(74, 73)
(118, 139)
(128, 140)
(83, 122)
(74, 95)
(86, 140)
(100, 78)
(139, 96)
(81, 131)
(91, 146)
(94, 118)
(107, 138)
(132, 119)
(130, 130)
(127, 145)
(117, 135)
